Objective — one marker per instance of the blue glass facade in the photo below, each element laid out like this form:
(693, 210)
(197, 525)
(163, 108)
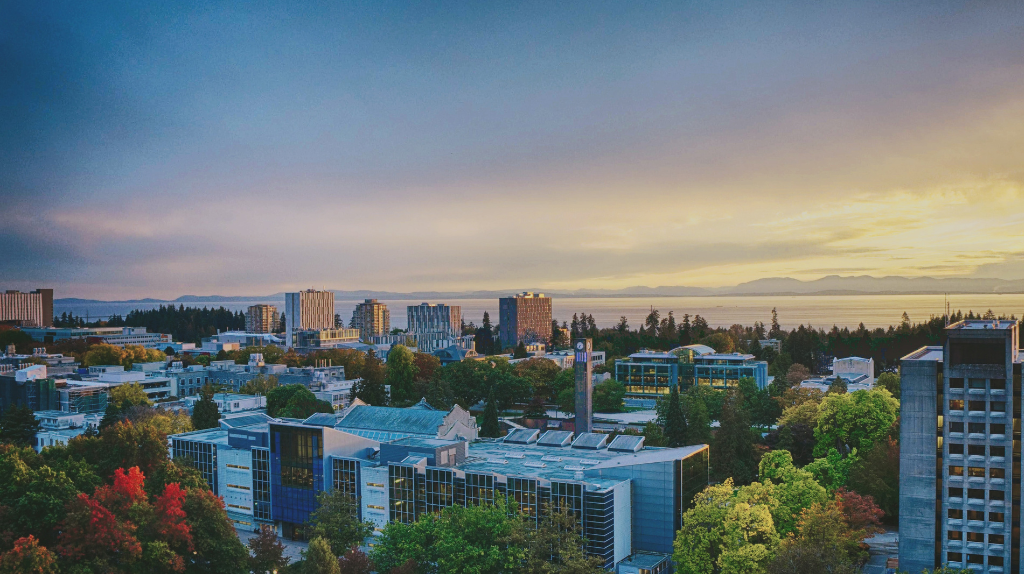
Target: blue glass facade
(296, 475)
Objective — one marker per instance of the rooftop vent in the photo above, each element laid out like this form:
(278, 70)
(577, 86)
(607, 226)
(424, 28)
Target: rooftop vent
(552, 458)
(522, 436)
(627, 443)
(573, 468)
(590, 440)
(532, 464)
(555, 438)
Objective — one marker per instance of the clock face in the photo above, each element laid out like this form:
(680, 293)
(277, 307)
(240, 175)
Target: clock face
(579, 345)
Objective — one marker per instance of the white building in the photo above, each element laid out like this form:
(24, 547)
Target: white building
(855, 369)
(231, 402)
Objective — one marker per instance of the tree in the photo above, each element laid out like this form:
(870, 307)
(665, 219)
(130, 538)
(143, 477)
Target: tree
(520, 351)
(698, 422)
(556, 546)
(764, 411)
(371, 388)
(28, 557)
(319, 559)
(608, 396)
(889, 382)
(654, 435)
(732, 449)
(541, 373)
(838, 387)
(355, 562)
(205, 412)
(458, 540)
(295, 401)
(19, 426)
(877, 474)
(833, 470)
(820, 546)
(675, 421)
(129, 395)
(797, 438)
(217, 548)
(400, 373)
(111, 416)
(724, 533)
(259, 385)
(336, 521)
(267, 551)
(854, 420)
(490, 427)
(797, 374)
(795, 489)
(720, 342)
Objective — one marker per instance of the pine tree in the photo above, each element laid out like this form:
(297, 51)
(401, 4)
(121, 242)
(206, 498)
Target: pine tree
(19, 426)
(520, 352)
(698, 423)
(319, 558)
(675, 422)
(205, 414)
(732, 450)
(490, 427)
(111, 416)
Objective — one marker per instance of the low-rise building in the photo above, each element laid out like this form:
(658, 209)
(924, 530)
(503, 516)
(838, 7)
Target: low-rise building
(854, 368)
(723, 370)
(58, 427)
(56, 363)
(231, 403)
(324, 339)
(119, 336)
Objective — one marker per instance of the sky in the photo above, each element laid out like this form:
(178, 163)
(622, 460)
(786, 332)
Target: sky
(156, 149)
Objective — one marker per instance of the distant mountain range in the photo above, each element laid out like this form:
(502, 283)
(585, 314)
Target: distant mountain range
(830, 285)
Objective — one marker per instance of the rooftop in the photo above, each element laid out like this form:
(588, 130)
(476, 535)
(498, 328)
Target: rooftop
(976, 324)
(925, 354)
(412, 421)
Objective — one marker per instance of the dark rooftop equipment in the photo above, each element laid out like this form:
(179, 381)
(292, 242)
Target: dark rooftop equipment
(522, 436)
(590, 440)
(627, 443)
(555, 438)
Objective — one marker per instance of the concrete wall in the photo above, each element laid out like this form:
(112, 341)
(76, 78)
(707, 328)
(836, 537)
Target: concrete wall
(917, 464)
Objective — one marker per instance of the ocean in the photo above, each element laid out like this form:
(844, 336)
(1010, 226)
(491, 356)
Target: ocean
(816, 310)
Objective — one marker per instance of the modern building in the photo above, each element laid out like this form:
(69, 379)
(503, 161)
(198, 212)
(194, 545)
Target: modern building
(435, 318)
(32, 309)
(653, 373)
(29, 386)
(307, 310)
(629, 499)
(372, 318)
(58, 427)
(723, 370)
(262, 319)
(960, 460)
(119, 336)
(56, 363)
(524, 317)
(648, 373)
(231, 403)
(324, 339)
(242, 338)
(228, 375)
(773, 344)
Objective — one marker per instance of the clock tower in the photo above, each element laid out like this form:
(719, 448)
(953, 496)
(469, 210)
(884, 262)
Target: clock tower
(584, 385)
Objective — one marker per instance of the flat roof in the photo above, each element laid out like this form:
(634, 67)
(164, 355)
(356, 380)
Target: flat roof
(984, 324)
(925, 354)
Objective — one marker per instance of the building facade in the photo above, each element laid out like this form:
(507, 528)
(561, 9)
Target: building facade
(435, 318)
(307, 310)
(960, 460)
(524, 317)
(262, 319)
(372, 318)
(32, 309)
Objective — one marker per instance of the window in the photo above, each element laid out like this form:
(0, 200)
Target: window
(976, 449)
(956, 471)
(956, 448)
(954, 557)
(237, 466)
(996, 517)
(977, 352)
(976, 471)
(976, 384)
(997, 406)
(975, 559)
(995, 495)
(956, 405)
(976, 427)
(997, 384)
(956, 383)
(976, 493)
(975, 537)
(956, 427)
(955, 514)
(998, 451)
(239, 487)
(955, 535)
(956, 492)
(375, 507)
(997, 428)
(995, 538)
(975, 515)
(997, 473)
(995, 560)
(976, 405)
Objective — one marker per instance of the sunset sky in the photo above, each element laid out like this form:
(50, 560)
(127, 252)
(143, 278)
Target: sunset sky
(154, 149)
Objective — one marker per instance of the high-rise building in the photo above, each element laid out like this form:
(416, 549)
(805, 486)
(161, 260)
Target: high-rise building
(261, 319)
(372, 318)
(435, 318)
(960, 459)
(525, 317)
(307, 310)
(33, 309)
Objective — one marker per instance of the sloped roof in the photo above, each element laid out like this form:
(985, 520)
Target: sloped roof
(412, 421)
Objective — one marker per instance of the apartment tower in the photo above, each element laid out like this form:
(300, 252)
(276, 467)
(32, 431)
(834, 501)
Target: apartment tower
(309, 310)
(261, 319)
(525, 317)
(372, 318)
(34, 309)
(435, 318)
(960, 462)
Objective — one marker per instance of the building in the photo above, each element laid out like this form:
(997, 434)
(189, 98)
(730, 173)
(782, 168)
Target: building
(30, 387)
(960, 461)
(307, 310)
(372, 318)
(435, 318)
(525, 317)
(648, 373)
(228, 375)
(262, 319)
(629, 499)
(242, 338)
(773, 344)
(56, 363)
(653, 373)
(231, 403)
(723, 370)
(119, 336)
(58, 427)
(324, 339)
(855, 369)
(32, 309)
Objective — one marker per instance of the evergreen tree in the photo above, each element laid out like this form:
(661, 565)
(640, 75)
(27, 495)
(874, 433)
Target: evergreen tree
(371, 388)
(400, 372)
(111, 416)
(675, 422)
(520, 352)
(336, 520)
(732, 450)
(205, 414)
(19, 426)
(698, 422)
(319, 558)
(490, 427)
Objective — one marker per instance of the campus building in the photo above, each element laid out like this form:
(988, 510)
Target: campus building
(524, 317)
(33, 309)
(371, 318)
(960, 460)
(119, 336)
(629, 498)
(262, 319)
(307, 310)
(435, 318)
